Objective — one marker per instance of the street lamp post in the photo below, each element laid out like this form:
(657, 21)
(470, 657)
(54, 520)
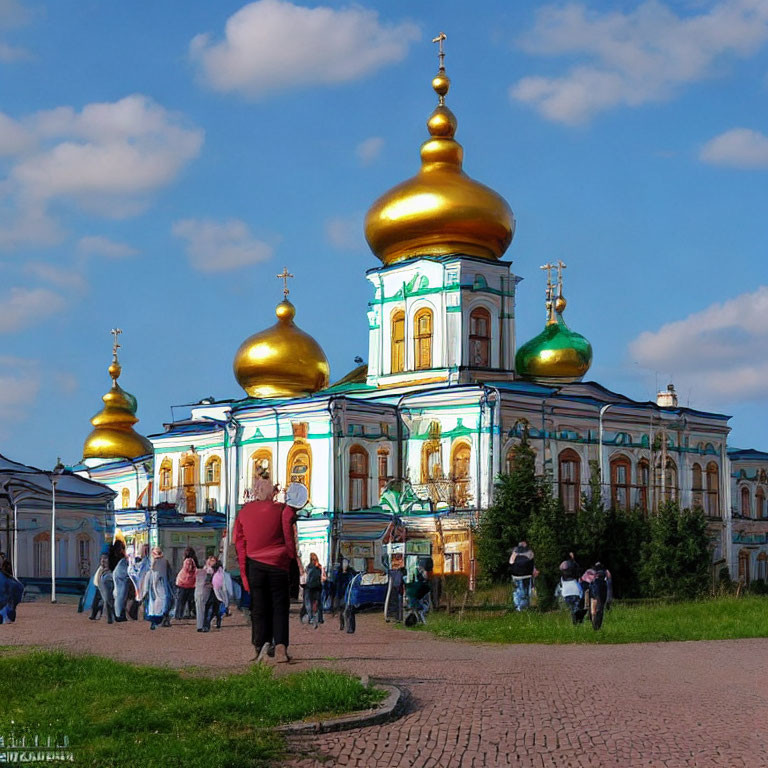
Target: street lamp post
(600, 444)
(54, 480)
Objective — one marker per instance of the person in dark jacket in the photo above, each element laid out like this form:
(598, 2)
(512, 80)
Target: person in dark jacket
(522, 568)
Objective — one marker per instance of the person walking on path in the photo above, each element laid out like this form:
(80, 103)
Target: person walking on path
(104, 581)
(11, 592)
(314, 589)
(266, 545)
(159, 591)
(185, 584)
(118, 564)
(522, 568)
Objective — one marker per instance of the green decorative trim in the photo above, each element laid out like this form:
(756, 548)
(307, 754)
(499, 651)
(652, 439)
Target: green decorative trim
(454, 309)
(284, 438)
(181, 449)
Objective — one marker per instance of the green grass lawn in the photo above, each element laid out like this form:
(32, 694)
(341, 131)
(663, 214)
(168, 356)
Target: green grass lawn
(717, 619)
(118, 714)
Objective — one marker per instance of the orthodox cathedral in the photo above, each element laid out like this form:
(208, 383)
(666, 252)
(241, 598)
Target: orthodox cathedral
(400, 455)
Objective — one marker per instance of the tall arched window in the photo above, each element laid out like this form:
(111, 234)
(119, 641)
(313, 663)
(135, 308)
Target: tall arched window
(42, 554)
(667, 483)
(746, 502)
(398, 341)
(188, 471)
(480, 338)
(358, 477)
(569, 474)
(620, 480)
(422, 339)
(261, 465)
(762, 566)
(461, 455)
(431, 461)
(713, 490)
(125, 498)
(213, 471)
(744, 566)
(300, 464)
(643, 482)
(166, 474)
(760, 511)
(697, 486)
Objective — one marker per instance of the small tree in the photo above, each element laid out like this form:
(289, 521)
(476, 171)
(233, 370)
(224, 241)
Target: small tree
(548, 536)
(677, 559)
(591, 523)
(505, 523)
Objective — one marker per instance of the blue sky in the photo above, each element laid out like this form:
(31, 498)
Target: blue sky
(161, 162)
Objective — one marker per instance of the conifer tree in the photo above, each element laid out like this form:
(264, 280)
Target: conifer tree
(505, 523)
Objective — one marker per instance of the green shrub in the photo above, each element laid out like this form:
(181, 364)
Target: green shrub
(455, 585)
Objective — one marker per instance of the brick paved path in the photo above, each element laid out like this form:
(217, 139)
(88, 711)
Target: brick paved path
(676, 704)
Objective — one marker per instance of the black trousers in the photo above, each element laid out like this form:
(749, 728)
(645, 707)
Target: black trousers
(269, 603)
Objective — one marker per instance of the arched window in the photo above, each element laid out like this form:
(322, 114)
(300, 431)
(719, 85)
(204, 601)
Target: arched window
(166, 475)
(620, 476)
(697, 486)
(569, 474)
(84, 554)
(213, 471)
(382, 456)
(760, 510)
(188, 471)
(667, 483)
(762, 566)
(746, 502)
(643, 482)
(422, 339)
(461, 455)
(713, 490)
(300, 464)
(358, 477)
(125, 498)
(431, 461)
(261, 465)
(744, 566)
(42, 554)
(398, 341)
(480, 338)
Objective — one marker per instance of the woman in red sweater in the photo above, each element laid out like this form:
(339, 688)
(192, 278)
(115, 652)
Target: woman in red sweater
(265, 543)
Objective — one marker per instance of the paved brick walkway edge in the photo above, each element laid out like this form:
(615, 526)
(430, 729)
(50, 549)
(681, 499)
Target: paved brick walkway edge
(389, 709)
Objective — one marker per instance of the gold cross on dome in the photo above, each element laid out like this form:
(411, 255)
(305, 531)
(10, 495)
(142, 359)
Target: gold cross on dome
(440, 51)
(284, 275)
(560, 267)
(115, 346)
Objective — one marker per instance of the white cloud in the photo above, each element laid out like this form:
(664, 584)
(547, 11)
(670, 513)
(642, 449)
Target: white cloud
(737, 148)
(345, 232)
(719, 352)
(20, 380)
(69, 278)
(272, 45)
(12, 13)
(217, 246)
(635, 57)
(23, 307)
(369, 150)
(107, 158)
(98, 245)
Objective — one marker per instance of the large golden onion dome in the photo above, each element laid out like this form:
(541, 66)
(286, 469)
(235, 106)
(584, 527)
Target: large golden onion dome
(440, 210)
(557, 355)
(281, 361)
(113, 435)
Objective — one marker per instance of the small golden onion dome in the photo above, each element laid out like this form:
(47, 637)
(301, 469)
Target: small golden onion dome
(440, 210)
(557, 355)
(281, 361)
(113, 436)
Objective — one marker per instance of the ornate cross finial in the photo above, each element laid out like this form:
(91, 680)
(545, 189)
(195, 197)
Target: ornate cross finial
(440, 51)
(284, 275)
(560, 267)
(549, 303)
(115, 345)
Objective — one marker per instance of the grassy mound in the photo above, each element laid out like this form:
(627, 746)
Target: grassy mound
(118, 714)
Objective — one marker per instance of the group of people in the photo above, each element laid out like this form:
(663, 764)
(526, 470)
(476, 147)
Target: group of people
(122, 585)
(11, 590)
(574, 586)
(321, 591)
